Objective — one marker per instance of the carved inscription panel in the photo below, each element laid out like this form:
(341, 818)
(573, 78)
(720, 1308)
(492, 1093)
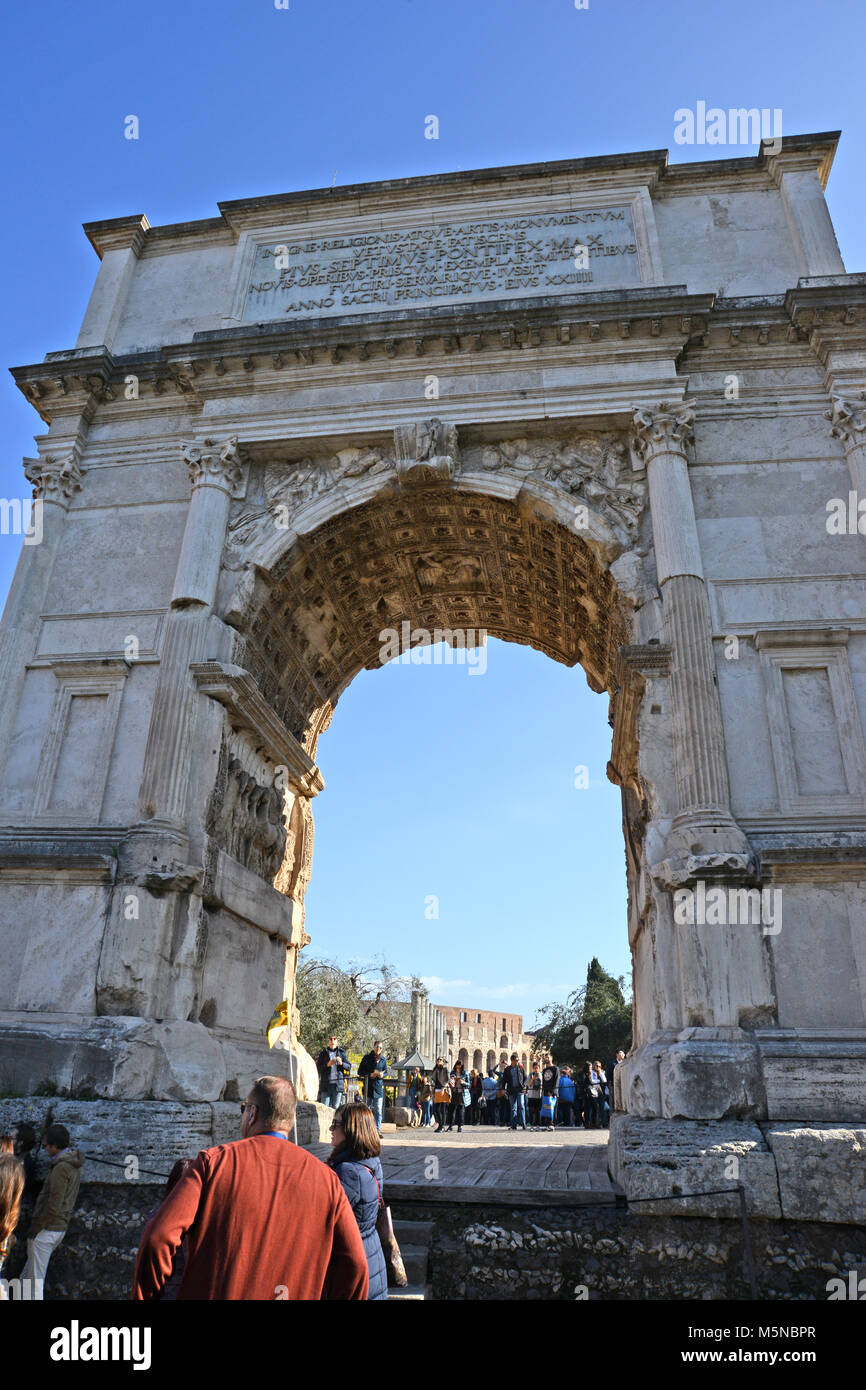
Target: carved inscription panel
(449, 263)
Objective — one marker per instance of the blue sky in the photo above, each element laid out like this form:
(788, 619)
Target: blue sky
(472, 777)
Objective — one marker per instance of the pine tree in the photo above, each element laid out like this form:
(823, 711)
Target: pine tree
(600, 1008)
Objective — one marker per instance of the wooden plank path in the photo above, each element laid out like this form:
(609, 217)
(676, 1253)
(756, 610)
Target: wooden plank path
(492, 1165)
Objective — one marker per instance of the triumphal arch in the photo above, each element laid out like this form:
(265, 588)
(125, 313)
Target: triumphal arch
(611, 408)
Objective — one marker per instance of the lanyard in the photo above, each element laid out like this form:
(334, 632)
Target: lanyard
(275, 1134)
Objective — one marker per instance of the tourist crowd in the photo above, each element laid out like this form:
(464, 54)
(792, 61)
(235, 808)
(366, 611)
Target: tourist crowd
(450, 1097)
(547, 1097)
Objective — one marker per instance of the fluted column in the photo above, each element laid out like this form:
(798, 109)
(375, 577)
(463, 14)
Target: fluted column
(215, 472)
(55, 479)
(422, 1025)
(441, 1034)
(414, 1029)
(704, 838)
(848, 422)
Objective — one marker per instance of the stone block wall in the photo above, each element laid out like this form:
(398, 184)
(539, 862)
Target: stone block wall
(599, 1253)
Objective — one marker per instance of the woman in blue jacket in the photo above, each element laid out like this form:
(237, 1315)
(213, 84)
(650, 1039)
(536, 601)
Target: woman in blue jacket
(355, 1160)
(565, 1092)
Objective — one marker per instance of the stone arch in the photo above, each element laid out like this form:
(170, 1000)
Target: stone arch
(503, 1041)
(463, 1057)
(503, 1059)
(477, 1059)
(491, 1060)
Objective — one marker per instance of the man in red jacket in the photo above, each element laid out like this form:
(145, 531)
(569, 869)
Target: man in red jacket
(263, 1219)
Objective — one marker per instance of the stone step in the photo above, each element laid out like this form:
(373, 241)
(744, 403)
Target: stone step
(415, 1262)
(413, 1238)
(413, 1232)
(412, 1292)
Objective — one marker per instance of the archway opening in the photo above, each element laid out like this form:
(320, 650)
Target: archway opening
(414, 572)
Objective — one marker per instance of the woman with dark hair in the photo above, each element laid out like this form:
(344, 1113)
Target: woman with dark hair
(476, 1093)
(459, 1091)
(590, 1090)
(24, 1139)
(355, 1159)
(11, 1188)
(440, 1094)
(172, 1283)
(425, 1097)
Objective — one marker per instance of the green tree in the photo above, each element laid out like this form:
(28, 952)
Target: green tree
(359, 1002)
(600, 1008)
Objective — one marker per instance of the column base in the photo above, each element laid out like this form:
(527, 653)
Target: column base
(154, 849)
(694, 1074)
(704, 844)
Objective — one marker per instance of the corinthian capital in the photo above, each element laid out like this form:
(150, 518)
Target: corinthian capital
(54, 478)
(211, 464)
(668, 429)
(847, 420)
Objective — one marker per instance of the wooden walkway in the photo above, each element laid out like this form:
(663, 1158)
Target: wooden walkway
(495, 1166)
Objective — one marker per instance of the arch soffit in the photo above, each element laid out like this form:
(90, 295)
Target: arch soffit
(372, 552)
(583, 482)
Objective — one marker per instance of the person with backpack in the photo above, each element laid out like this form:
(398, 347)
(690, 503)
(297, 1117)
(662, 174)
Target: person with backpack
(565, 1098)
(549, 1082)
(514, 1081)
(533, 1096)
(460, 1097)
(490, 1086)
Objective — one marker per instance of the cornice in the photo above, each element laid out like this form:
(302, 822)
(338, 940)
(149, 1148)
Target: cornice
(820, 317)
(662, 320)
(118, 234)
(830, 311)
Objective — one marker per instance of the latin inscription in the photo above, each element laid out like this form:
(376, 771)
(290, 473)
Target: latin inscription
(509, 258)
